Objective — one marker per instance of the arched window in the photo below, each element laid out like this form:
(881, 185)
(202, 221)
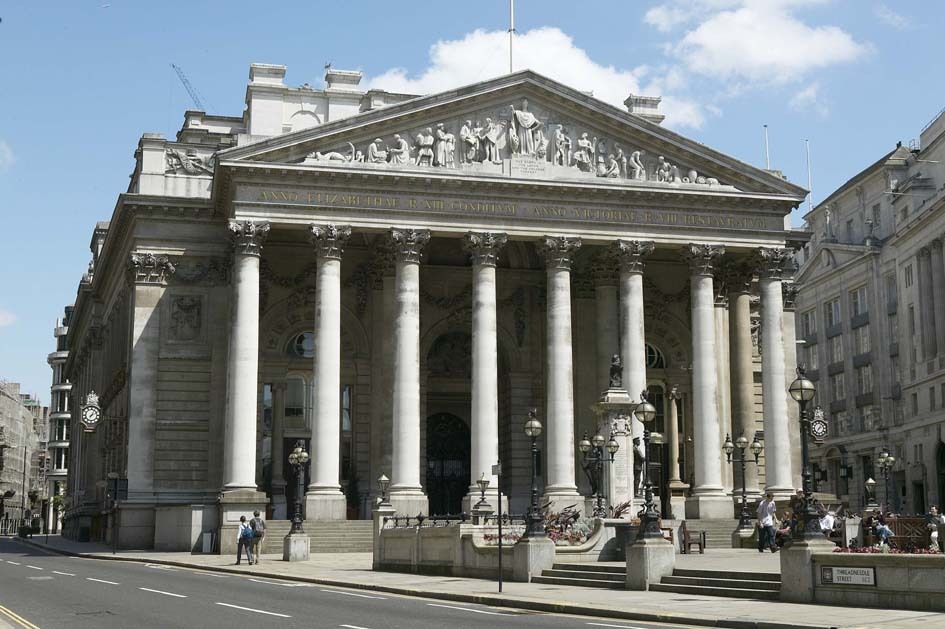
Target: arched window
(654, 358)
(302, 345)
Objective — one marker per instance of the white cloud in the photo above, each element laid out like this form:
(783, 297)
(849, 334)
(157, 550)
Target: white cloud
(6, 318)
(480, 55)
(6, 156)
(889, 17)
(810, 99)
(762, 42)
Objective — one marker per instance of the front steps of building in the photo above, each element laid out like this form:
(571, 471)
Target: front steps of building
(346, 536)
(718, 533)
(590, 575)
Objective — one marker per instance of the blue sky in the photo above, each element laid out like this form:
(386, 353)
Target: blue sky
(83, 80)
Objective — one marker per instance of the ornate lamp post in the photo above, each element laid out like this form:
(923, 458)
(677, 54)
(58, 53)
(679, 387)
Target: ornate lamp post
(593, 452)
(803, 391)
(298, 459)
(483, 485)
(535, 526)
(870, 486)
(383, 484)
(886, 462)
(744, 520)
(650, 517)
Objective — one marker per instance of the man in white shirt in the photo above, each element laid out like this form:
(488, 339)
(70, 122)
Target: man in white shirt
(766, 529)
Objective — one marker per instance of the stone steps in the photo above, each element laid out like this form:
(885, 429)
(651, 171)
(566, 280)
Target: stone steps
(349, 536)
(590, 575)
(718, 533)
(733, 584)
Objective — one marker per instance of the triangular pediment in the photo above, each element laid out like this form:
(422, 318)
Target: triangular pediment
(828, 258)
(522, 125)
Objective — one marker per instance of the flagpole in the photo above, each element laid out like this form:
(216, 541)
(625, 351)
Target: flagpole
(511, 31)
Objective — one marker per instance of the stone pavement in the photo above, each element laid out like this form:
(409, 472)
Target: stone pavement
(353, 570)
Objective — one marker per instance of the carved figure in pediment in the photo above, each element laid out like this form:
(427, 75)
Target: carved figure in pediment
(335, 156)
(524, 130)
(376, 153)
(188, 162)
(621, 160)
(450, 140)
(425, 141)
(488, 142)
(562, 154)
(610, 168)
(399, 153)
(442, 149)
(636, 166)
(541, 145)
(468, 143)
(666, 172)
(584, 155)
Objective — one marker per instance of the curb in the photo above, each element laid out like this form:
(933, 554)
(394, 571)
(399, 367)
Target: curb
(496, 600)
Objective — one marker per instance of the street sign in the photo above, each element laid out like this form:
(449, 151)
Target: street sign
(845, 575)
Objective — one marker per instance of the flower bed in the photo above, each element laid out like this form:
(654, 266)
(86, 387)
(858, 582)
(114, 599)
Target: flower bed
(884, 550)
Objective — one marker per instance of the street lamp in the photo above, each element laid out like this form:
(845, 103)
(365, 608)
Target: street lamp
(298, 459)
(650, 517)
(535, 526)
(886, 462)
(870, 486)
(803, 391)
(744, 521)
(483, 485)
(383, 484)
(594, 458)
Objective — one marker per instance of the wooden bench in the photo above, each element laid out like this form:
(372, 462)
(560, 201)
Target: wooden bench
(691, 538)
(909, 533)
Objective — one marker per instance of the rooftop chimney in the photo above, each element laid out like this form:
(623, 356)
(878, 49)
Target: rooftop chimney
(645, 106)
(343, 80)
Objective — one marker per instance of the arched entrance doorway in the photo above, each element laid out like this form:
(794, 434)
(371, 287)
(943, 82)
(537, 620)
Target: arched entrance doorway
(447, 463)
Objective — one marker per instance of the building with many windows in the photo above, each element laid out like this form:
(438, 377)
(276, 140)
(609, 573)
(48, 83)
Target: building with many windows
(57, 466)
(871, 315)
(22, 450)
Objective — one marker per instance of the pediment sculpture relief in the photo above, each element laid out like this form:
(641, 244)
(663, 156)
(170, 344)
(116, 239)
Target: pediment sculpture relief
(517, 141)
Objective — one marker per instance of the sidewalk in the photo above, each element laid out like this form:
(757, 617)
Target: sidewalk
(353, 570)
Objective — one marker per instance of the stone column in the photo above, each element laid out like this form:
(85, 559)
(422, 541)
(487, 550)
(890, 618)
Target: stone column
(723, 368)
(938, 292)
(677, 488)
(279, 508)
(239, 449)
(926, 304)
(605, 296)
(483, 248)
(323, 499)
(742, 366)
(789, 297)
(406, 493)
(708, 498)
(560, 488)
(774, 395)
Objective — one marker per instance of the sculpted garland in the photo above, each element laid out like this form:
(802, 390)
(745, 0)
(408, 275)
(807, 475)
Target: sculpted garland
(490, 142)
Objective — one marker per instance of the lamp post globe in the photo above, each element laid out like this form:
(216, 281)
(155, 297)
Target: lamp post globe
(803, 391)
(383, 484)
(535, 526)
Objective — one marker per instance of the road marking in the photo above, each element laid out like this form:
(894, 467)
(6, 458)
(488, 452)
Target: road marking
(65, 574)
(600, 624)
(14, 563)
(40, 578)
(19, 619)
(469, 609)
(164, 593)
(380, 598)
(34, 567)
(159, 567)
(101, 581)
(258, 611)
(352, 626)
(285, 585)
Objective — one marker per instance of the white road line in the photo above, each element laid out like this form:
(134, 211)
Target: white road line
(13, 562)
(101, 581)
(65, 574)
(164, 593)
(258, 611)
(352, 626)
(600, 624)
(34, 567)
(380, 598)
(468, 609)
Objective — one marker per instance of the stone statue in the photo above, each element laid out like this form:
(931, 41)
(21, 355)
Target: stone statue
(610, 168)
(335, 156)
(188, 162)
(616, 372)
(425, 147)
(469, 143)
(450, 141)
(562, 154)
(400, 152)
(584, 155)
(636, 164)
(621, 160)
(376, 154)
(524, 130)
(440, 150)
(488, 137)
(666, 172)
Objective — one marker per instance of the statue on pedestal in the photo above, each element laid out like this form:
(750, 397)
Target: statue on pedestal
(525, 135)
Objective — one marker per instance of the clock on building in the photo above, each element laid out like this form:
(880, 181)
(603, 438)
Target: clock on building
(818, 425)
(91, 413)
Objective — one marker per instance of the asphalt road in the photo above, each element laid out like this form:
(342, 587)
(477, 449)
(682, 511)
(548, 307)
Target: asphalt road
(51, 591)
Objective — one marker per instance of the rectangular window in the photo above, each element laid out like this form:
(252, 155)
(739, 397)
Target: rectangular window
(808, 323)
(931, 398)
(877, 219)
(911, 320)
(942, 392)
(850, 231)
(836, 349)
(60, 458)
(894, 328)
(832, 313)
(907, 275)
(892, 293)
(861, 339)
(915, 404)
(858, 303)
(295, 398)
(864, 380)
(811, 357)
(837, 387)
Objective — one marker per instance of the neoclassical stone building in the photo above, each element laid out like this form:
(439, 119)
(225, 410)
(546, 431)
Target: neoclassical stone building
(397, 280)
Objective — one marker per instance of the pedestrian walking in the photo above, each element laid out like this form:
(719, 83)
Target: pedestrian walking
(244, 539)
(259, 534)
(766, 529)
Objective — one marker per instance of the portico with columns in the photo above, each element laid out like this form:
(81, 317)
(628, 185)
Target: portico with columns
(402, 317)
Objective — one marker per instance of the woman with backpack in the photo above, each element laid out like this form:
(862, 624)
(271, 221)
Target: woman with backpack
(244, 539)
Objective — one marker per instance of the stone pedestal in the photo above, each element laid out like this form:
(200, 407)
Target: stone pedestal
(410, 503)
(648, 561)
(481, 513)
(378, 514)
(677, 500)
(233, 504)
(745, 538)
(296, 547)
(530, 556)
(325, 506)
(797, 569)
(709, 507)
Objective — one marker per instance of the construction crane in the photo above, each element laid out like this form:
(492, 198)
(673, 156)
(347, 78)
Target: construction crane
(194, 94)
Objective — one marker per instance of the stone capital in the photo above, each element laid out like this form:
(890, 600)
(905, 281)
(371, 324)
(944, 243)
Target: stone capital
(329, 240)
(630, 254)
(149, 268)
(484, 247)
(772, 262)
(925, 252)
(936, 243)
(248, 236)
(702, 258)
(558, 251)
(738, 276)
(789, 291)
(280, 386)
(408, 244)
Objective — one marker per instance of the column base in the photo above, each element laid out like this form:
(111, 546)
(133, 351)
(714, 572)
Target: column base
(561, 498)
(709, 507)
(296, 547)
(492, 499)
(677, 500)
(780, 493)
(325, 505)
(410, 502)
(648, 561)
(233, 504)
